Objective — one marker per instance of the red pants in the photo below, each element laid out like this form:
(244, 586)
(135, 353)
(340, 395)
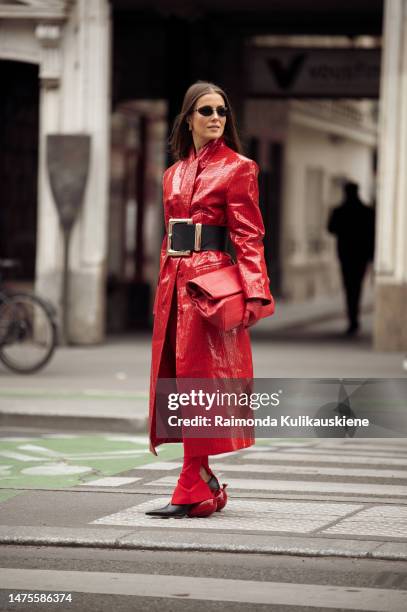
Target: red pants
(191, 488)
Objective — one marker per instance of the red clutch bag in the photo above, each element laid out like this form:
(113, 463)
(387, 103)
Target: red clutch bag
(218, 296)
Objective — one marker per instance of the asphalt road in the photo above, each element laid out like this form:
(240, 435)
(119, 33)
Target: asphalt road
(192, 579)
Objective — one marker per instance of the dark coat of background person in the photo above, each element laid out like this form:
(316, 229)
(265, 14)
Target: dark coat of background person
(353, 223)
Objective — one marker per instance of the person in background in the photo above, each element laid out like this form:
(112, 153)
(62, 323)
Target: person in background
(353, 224)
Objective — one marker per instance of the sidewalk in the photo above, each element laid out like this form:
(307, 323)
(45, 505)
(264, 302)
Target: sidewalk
(326, 498)
(312, 497)
(105, 387)
(289, 315)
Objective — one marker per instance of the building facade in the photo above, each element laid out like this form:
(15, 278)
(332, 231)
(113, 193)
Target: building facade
(69, 43)
(321, 144)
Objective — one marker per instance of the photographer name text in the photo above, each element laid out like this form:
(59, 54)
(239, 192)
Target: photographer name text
(268, 421)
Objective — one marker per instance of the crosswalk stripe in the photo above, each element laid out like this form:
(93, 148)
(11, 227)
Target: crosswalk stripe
(303, 486)
(358, 445)
(206, 589)
(163, 466)
(310, 470)
(109, 481)
(357, 452)
(328, 458)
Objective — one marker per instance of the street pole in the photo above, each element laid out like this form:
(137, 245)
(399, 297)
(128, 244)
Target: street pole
(68, 157)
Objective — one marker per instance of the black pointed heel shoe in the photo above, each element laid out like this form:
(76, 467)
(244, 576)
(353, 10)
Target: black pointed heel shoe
(171, 511)
(198, 510)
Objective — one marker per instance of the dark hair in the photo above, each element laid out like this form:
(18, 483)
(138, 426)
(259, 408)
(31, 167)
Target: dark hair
(181, 137)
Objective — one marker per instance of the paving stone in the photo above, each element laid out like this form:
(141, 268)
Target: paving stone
(242, 515)
(383, 521)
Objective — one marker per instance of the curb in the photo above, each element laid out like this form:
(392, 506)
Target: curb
(276, 545)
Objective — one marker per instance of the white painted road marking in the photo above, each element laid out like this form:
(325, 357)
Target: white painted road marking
(19, 456)
(328, 458)
(162, 466)
(343, 450)
(309, 470)
(42, 450)
(15, 439)
(284, 442)
(56, 469)
(302, 486)
(206, 589)
(100, 455)
(393, 445)
(143, 440)
(109, 481)
(242, 515)
(60, 436)
(105, 454)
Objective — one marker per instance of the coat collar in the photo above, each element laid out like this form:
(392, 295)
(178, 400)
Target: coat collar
(193, 166)
(206, 152)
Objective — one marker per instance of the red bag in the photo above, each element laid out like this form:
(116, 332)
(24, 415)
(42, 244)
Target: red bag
(218, 296)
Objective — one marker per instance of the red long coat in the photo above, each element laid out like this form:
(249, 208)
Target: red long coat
(218, 187)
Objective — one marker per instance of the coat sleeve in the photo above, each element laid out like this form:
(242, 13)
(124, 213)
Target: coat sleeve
(162, 257)
(163, 252)
(246, 230)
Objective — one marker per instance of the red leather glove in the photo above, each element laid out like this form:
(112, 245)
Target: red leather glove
(252, 312)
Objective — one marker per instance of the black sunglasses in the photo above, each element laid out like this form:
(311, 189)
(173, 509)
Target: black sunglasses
(207, 111)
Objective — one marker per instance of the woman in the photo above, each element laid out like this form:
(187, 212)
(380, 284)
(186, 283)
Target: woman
(214, 184)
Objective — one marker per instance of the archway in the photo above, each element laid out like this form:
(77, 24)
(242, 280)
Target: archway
(19, 128)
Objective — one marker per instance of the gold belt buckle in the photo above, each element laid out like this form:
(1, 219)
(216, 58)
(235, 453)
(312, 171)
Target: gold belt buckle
(197, 243)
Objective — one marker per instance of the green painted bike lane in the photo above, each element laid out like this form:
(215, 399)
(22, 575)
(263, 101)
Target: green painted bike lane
(66, 460)
(56, 461)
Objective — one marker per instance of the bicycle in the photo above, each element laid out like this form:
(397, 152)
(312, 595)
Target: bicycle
(28, 328)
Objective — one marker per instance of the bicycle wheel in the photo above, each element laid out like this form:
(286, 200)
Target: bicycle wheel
(28, 334)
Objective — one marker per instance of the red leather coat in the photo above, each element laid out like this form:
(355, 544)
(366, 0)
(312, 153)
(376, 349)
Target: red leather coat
(217, 186)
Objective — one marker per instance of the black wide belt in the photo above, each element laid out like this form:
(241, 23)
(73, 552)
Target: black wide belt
(185, 237)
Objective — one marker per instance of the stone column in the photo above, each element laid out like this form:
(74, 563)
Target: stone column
(49, 242)
(86, 108)
(390, 325)
(80, 105)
